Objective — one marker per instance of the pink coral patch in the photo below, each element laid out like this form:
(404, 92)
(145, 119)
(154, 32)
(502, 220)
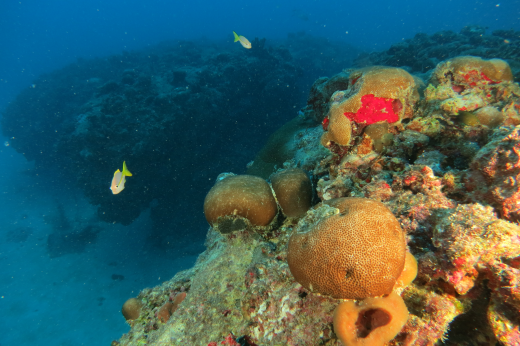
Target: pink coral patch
(375, 109)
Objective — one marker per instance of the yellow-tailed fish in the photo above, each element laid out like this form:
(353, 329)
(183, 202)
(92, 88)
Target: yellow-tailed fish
(243, 41)
(118, 182)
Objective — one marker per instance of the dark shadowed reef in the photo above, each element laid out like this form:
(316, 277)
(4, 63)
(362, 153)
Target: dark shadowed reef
(423, 52)
(179, 113)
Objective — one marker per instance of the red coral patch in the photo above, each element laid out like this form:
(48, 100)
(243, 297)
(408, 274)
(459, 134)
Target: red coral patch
(325, 123)
(375, 109)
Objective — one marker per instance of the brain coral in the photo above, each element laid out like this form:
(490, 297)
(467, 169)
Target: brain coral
(293, 190)
(375, 94)
(352, 252)
(245, 196)
(468, 71)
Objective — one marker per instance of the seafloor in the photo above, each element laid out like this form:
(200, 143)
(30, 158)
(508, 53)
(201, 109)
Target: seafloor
(430, 128)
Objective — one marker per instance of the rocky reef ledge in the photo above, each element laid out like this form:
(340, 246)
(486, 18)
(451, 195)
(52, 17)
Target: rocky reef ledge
(440, 157)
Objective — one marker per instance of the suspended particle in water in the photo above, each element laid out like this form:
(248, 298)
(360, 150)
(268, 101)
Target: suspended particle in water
(6, 143)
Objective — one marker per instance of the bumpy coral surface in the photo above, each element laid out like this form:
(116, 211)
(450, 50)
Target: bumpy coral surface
(468, 71)
(242, 285)
(472, 238)
(497, 167)
(375, 94)
(467, 84)
(354, 253)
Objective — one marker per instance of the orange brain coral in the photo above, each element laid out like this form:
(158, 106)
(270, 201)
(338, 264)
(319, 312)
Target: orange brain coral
(367, 87)
(354, 254)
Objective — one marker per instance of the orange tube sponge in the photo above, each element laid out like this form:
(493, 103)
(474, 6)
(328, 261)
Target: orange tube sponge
(409, 272)
(293, 190)
(348, 248)
(243, 196)
(370, 322)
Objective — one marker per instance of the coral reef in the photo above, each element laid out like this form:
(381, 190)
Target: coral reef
(431, 166)
(446, 182)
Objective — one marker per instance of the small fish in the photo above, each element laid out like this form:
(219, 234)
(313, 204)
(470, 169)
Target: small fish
(118, 182)
(243, 41)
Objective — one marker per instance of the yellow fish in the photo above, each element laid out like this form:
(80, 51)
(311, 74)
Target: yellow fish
(243, 41)
(118, 182)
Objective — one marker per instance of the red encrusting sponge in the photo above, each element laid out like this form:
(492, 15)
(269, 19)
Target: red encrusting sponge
(375, 109)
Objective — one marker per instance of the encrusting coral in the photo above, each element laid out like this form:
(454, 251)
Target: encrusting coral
(468, 71)
(375, 94)
(466, 84)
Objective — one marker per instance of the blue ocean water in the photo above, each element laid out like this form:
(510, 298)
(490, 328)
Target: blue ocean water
(71, 255)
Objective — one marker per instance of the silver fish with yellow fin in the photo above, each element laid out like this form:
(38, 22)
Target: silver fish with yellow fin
(243, 41)
(118, 182)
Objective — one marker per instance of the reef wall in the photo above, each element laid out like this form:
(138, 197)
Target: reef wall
(441, 154)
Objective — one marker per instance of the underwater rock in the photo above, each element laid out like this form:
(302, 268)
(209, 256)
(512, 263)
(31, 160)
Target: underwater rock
(282, 146)
(447, 174)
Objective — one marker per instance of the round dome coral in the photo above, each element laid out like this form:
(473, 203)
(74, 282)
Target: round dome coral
(293, 190)
(348, 248)
(243, 196)
(132, 308)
